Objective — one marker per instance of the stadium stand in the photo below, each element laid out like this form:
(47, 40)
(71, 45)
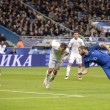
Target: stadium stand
(75, 14)
(34, 19)
(24, 21)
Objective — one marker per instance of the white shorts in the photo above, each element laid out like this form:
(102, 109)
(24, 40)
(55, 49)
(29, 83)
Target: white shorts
(54, 64)
(76, 57)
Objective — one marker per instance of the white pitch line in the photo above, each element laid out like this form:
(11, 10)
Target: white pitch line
(26, 92)
(16, 98)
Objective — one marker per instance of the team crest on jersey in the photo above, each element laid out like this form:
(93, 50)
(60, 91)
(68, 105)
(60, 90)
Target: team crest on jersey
(94, 58)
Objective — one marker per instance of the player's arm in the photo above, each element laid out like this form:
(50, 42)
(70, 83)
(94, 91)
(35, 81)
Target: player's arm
(86, 70)
(82, 42)
(70, 45)
(105, 46)
(66, 55)
(95, 47)
(99, 46)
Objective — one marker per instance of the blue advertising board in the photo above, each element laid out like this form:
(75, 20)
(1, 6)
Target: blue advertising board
(28, 60)
(9, 60)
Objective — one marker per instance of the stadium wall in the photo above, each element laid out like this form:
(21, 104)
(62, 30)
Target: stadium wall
(9, 35)
(23, 58)
(28, 60)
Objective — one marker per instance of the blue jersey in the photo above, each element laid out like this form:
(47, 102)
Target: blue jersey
(96, 56)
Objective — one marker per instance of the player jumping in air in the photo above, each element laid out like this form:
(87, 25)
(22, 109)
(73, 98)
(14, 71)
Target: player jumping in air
(95, 55)
(58, 54)
(74, 45)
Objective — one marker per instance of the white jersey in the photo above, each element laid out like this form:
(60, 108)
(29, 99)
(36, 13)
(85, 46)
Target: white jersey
(2, 49)
(74, 44)
(55, 54)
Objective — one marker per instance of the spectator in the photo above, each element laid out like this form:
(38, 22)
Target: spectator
(34, 50)
(2, 37)
(93, 38)
(20, 44)
(2, 47)
(13, 51)
(107, 34)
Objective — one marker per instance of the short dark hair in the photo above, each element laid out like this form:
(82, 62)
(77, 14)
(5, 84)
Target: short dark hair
(64, 45)
(83, 47)
(75, 31)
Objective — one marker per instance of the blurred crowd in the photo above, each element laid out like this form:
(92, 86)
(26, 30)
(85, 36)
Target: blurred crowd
(76, 14)
(3, 44)
(73, 14)
(24, 21)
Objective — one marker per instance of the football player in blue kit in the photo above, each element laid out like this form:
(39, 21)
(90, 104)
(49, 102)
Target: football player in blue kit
(94, 54)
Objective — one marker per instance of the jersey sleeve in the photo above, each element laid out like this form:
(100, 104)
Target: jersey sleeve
(86, 64)
(70, 44)
(82, 43)
(67, 52)
(95, 47)
(55, 44)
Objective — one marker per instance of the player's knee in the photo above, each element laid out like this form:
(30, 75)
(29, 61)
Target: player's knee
(55, 72)
(50, 70)
(70, 64)
(80, 65)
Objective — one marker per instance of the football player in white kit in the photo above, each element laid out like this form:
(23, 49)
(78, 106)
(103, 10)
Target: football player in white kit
(74, 55)
(58, 54)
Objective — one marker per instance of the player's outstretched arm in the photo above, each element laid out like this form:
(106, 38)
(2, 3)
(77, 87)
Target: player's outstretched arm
(105, 46)
(85, 71)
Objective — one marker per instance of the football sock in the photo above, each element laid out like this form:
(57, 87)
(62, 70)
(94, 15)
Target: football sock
(68, 70)
(52, 77)
(79, 70)
(47, 75)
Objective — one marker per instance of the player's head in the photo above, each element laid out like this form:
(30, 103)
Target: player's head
(2, 42)
(75, 34)
(62, 47)
(83, 50)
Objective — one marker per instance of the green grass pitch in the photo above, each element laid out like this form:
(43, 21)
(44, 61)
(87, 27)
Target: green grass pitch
(22, 89)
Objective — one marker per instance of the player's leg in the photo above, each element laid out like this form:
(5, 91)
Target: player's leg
(71, 60)
(53, 74)
(49, 71)
(79, 62)
(79, 71)
(68, 70)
